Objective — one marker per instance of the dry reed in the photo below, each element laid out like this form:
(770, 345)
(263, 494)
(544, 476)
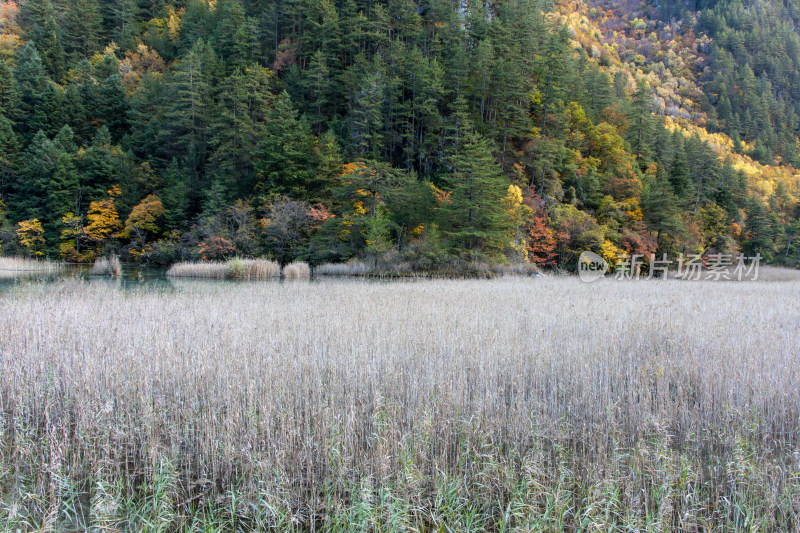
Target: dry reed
(22, 264)
(351, 268)
(297, 270)
(107, 266)
(240, 269)
(513, 404)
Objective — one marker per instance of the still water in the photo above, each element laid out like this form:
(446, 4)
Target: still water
(133, 277)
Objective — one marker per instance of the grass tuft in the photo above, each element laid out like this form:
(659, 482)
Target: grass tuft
(107, 266)
(351, 268)
(297, 270)
(236, 268)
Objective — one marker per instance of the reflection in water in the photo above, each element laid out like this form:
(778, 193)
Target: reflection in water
(133, 277)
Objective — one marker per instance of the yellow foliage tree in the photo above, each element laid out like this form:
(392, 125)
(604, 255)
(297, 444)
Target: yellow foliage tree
(31, 236)
(144, 217)
(104, 223)
(143, 221)
(610, 252)
(71, 235)
(519, 214)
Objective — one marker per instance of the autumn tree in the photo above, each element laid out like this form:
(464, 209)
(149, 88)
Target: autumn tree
(103, 222)
(72, 236)
(541, 239)
(518, 214)
(143, 222)
(31, 237)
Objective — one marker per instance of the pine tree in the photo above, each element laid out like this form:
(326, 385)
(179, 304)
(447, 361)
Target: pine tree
(102, 165)
(35, 175)
(8, 94)
(65, 140)
(32, 92)
(366, 115)
(9, 155)
(328, 167)
(661, 209)
(188, 115)
(40, 19)
(75, 113)
(233, 34)
(475, 219)
(317, 84)
(237, 127)
(758, 231)
(113, 107)
(641, 125)
(63, 194)
(122, 17)
(599, 91)
(175, 196)
(82, 26)
(286, 165)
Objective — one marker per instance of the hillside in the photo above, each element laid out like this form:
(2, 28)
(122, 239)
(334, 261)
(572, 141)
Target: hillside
(419, 133)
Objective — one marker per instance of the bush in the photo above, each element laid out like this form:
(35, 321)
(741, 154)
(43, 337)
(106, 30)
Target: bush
(235, 269)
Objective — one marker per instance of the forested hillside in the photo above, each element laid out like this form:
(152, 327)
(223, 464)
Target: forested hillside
(398, 131)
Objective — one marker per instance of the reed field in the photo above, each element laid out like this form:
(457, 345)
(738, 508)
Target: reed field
(514, 404)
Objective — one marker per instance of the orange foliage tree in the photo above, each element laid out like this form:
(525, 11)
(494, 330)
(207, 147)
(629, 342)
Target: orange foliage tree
(541, 243)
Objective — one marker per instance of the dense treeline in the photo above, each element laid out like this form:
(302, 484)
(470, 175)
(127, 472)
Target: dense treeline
(414, 132)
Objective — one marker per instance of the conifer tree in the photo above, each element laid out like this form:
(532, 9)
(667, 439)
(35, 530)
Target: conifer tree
(286, 165)
(113, 107)
(122, 17)
(475, 219)
(7, 91)
(32, 92)
(641, 124)
(9, 155)
(661, 209)
(82, 27)
(31, 188)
